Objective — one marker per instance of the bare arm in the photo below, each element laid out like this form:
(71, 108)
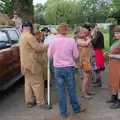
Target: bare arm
(75, 52)
(83, 43)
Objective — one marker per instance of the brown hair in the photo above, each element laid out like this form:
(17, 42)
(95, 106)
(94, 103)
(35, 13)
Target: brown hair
(63, 29)
(116, 29)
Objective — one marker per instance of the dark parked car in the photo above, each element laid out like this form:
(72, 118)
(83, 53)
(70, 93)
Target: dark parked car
(9, 57)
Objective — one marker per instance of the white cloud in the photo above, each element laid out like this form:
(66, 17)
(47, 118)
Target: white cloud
(39, 1)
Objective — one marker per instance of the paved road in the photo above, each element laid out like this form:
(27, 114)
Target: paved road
(12, 106)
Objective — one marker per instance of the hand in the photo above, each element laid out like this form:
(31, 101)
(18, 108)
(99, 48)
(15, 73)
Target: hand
(106, 54)
(89, 39)
(110, 55)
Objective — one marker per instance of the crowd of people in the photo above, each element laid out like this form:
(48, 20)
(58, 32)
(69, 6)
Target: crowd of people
(65, 54)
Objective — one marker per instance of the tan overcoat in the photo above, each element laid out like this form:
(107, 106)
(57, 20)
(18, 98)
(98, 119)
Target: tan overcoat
(114, 70)
(31, 54)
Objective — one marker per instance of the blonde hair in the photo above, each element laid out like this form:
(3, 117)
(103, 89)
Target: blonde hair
(80, 30)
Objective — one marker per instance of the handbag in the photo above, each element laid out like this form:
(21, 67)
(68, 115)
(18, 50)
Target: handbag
(87, 67)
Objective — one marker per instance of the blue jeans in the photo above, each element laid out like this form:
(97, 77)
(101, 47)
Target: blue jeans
(63, 76)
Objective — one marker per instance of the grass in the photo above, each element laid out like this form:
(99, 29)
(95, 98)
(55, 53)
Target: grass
(71, 35)
(106, 40)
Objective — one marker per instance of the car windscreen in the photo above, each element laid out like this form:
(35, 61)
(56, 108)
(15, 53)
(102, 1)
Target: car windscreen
(3, 37)
(13, 36)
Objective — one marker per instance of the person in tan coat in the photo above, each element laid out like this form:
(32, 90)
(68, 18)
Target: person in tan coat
(31, 52)
(114, 70)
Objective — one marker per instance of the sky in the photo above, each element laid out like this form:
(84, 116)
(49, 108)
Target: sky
(39, 1)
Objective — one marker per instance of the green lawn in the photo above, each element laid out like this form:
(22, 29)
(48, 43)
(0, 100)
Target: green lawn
(106, 38)
(106, 41)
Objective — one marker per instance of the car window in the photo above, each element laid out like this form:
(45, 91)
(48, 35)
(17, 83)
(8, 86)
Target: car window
(14, 36)
(4, 42)
(3, 37)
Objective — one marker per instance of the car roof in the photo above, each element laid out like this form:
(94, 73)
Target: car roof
(8, 29)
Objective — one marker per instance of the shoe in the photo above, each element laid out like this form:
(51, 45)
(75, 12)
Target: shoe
(45, 106)
(113, 99)
(91, 93)
(86, 96)
(81, 110)
(116, 105)
(31, 104)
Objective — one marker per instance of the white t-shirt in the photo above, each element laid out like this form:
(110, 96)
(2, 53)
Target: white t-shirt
(50, 38)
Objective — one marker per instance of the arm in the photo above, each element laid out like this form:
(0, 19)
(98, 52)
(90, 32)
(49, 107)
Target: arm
(116, 50)
(45, 41)
(75, 52)
(115, 56)
(50, 51)
(83, 43)
(37, 47)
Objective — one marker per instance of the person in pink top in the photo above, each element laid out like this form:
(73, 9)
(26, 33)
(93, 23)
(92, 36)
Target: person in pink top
(64, 52)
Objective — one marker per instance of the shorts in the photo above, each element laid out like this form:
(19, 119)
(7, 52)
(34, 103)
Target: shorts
(85, 73)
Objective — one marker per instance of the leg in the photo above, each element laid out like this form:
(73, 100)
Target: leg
(114, 97)
(98, 74)
(85, 86)
(89, 84)
(81, 73)
(37, 84)
(29, 92)
(98, 81)
(116, 105)
(70, 79)
(90, 79)
(60, 81)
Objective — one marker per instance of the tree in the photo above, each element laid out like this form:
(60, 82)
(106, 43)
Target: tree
(59, 11)
(39, 12)
(25, 7)
(96, 10)
(6, 7)
(116, 4)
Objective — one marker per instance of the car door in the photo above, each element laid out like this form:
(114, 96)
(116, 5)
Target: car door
(14, 37)
(6, 66)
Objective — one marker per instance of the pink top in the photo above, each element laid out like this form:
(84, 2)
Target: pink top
(63, 51)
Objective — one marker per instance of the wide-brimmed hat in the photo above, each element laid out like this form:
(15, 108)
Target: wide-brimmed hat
(62, 28)
(116, 29)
